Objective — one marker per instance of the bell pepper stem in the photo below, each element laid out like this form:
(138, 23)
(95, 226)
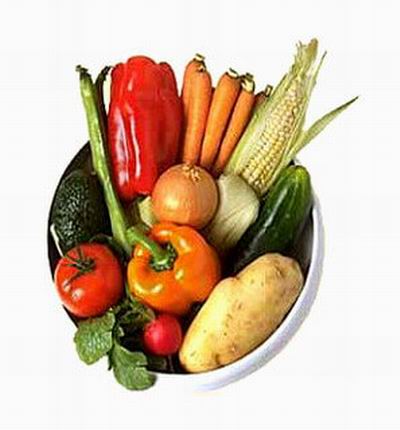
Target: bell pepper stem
(161, 256)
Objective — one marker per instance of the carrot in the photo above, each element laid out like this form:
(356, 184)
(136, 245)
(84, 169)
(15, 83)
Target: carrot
(223, 102)
(199, 104)
(238, 122)
(262, 96)
(190, 69)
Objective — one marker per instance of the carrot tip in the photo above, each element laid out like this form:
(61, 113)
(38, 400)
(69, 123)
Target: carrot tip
(268, 90)
(233, 73)
(199, 57)
(248, 83)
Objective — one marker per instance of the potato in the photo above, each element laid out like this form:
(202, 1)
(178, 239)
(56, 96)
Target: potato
(241, 313)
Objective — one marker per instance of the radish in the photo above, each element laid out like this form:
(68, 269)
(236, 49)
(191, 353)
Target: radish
(163, 335)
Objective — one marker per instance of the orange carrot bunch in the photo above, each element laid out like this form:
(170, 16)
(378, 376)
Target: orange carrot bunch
(215, 118)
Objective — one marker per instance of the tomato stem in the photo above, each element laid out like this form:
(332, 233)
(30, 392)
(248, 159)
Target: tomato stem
(81, 263)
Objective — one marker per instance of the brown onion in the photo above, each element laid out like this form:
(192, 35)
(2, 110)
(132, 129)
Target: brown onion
(185, 194)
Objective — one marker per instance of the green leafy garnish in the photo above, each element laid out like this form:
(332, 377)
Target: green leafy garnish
(110, 334)
(133, 313)
(94, 338)
(157, 363)
(130, 368)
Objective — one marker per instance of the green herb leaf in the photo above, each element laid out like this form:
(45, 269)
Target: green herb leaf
(93, 339)
(138, 307)
(121, 355)
(134, 378)
(131, 321)
(144, 313)
(130, 368)
(120, 307)
(157, 363)
(131, 316)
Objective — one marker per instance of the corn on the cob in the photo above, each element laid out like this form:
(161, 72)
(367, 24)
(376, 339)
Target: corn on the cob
(276, 128)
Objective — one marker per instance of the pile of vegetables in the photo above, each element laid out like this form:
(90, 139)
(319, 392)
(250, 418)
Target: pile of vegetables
(175, 244)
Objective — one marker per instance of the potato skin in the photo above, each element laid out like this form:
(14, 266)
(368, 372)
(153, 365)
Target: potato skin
(241, 313)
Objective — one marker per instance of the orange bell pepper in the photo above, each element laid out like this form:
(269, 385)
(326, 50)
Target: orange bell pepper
(180, 270)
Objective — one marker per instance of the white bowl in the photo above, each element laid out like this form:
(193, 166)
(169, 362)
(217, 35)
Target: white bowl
(309, 254)
(313, 245)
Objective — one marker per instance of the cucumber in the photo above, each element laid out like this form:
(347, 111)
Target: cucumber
(282, 216)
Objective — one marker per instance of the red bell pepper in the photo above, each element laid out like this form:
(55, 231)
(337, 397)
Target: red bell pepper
(144, 124)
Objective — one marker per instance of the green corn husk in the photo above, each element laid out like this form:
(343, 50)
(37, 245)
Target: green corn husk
(275, 133)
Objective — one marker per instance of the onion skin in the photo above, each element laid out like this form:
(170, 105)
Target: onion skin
(187, 195)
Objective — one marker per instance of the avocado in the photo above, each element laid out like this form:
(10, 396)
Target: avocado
(79, 211)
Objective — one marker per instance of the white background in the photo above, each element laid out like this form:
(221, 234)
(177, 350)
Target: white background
(341, 371)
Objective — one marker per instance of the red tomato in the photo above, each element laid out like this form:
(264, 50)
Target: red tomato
(89, 280)
(163, 336)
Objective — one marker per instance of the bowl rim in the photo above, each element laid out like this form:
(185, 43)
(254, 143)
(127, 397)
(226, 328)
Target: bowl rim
(277, 341)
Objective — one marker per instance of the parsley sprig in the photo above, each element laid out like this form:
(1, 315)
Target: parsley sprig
(113, 335)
